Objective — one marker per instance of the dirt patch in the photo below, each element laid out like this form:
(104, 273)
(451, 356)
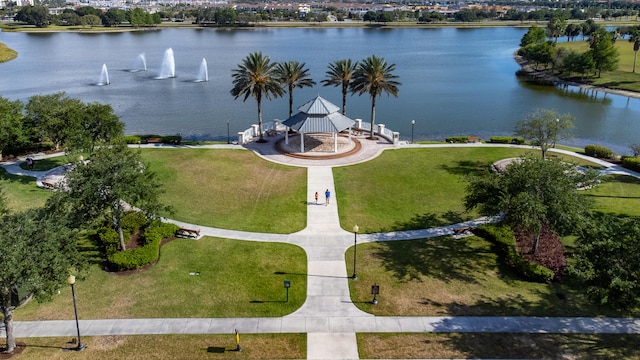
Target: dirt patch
(20, 346)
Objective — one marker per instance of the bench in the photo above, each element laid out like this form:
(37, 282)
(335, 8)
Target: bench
(188, 233)
(462, 230)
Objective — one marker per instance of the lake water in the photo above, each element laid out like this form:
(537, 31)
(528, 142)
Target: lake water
(454, 81)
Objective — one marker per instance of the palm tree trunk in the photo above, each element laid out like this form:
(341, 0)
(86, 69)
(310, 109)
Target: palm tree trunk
(373, 117)
(261, 139)
(344, 99)
(290, 101)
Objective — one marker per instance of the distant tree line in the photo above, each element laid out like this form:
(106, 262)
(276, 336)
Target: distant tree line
(39, 16)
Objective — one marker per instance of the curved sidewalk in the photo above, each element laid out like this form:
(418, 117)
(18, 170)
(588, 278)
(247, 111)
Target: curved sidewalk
(328, 315)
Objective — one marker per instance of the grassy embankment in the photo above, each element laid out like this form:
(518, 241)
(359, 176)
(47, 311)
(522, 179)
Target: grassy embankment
(7, 53)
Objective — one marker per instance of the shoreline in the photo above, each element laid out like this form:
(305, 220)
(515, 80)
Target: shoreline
(556, 81)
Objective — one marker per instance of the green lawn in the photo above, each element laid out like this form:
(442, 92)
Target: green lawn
(413, 188)
(497, 346)
(617, 194)
(445, 276)
(623, 78)
(234, 279)
(21, 192)
(192, 347)
(231, 189)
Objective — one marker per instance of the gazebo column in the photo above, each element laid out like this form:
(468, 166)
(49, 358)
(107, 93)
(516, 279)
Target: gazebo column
(302, 142)
(286, 136)
(335, 142)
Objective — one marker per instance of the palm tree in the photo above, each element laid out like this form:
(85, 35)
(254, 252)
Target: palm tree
(635, 39)
(340, 73)
(256, 77)
(292, 74)
(374, 76)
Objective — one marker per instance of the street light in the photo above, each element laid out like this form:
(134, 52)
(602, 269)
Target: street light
(72, 280)
(413, 123)
(355, 243)
(228, 138)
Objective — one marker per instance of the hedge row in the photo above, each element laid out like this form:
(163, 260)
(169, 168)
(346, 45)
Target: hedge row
(457, 139)
(502, 236)
(631, 163)
(145, 139)
(599, 151)
(147, 254)
(506, 140)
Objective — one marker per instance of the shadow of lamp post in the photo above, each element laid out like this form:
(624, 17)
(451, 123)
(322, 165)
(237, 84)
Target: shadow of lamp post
(355, 243)
(72, 280)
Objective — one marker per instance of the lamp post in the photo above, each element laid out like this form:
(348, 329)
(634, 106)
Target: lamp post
(228, 137)
(355, 247)
(413, 123)
(72, 280)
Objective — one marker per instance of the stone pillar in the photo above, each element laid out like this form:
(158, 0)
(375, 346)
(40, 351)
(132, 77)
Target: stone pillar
(335, 142)
(396, 137)
(380, 129)
(302, 142)
(358, 124)
(256, 130)
(241, 139)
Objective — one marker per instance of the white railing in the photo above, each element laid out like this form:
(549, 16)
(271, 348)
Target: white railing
(275, 126)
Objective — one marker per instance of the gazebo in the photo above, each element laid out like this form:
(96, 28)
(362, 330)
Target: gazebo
(318, 116)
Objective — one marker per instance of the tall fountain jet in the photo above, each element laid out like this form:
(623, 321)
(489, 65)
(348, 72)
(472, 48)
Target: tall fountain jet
(203, 74)
(104, 76)
(168, 68)
(143, 61)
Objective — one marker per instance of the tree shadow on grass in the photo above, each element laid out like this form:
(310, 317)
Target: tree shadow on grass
(466, 167)
(443, 258)
(544, 346)
(428, 221)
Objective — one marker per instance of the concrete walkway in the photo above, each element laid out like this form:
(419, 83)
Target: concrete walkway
(328, 315)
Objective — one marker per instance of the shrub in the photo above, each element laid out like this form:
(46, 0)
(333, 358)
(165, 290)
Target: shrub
(457, 139)
(506, 140)
(109, 239)
(502, 236)
(132, 139)
(173, 139)
(147, 254)
(599, 152)
(133, 221)
(631, 163)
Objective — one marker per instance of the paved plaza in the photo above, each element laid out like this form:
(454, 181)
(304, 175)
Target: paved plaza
(328, 316)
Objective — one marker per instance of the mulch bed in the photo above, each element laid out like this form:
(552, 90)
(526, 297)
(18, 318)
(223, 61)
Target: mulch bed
(550, 252)
(20, 346)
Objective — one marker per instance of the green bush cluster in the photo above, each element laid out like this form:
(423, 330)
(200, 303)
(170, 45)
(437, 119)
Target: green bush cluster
(132, 139)
(631, 163)
(109, 239)
(502, 236)
(506, 140)
(599, 151)
(144, 255)
(457, 139)
(133, 221)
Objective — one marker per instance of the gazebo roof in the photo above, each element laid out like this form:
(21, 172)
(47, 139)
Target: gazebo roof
(318, 115)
